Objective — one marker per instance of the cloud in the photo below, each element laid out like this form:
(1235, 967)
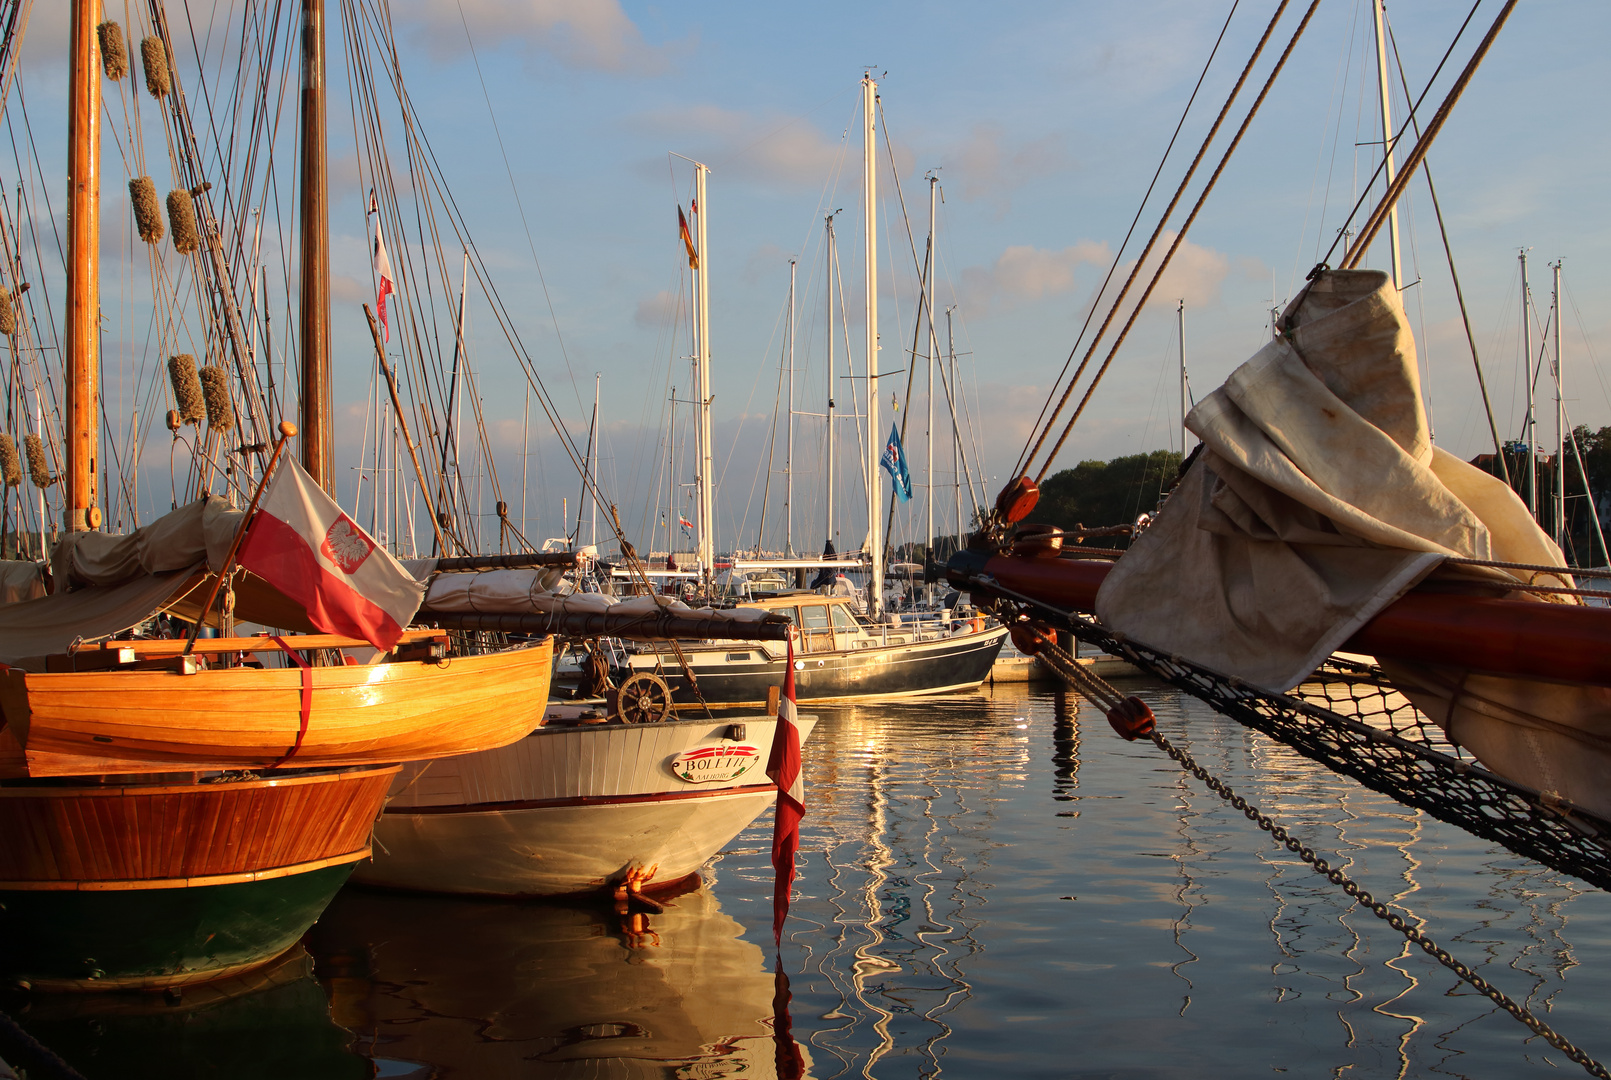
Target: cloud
(655, 311)
(983, 169)
(773, 147)
(1023, 274)
(586, 34)
(1195, 275)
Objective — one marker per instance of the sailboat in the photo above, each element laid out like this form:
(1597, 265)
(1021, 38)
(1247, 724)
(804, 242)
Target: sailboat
(219, 870)
(845, 654)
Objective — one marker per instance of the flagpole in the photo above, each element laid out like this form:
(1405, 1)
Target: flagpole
(287, 431)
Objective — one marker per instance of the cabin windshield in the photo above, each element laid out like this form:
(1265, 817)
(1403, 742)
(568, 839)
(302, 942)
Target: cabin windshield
(842, 618)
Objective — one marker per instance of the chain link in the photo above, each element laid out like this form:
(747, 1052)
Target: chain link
(1337, 877)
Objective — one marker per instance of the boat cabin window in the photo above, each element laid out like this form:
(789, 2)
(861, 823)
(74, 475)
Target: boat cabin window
(816, 631)
(842, 618)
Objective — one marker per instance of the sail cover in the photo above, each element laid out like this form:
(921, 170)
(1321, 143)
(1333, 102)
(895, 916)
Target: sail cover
(1317, 500)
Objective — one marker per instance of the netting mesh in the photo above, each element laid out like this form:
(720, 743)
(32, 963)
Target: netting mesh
(1350, 719)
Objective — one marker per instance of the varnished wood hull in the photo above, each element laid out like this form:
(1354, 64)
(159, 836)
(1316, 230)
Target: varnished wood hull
(569, 810)
(83, 723)
(144, 885)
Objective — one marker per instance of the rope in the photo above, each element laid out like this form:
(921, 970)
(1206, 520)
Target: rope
(1109, 699)
(1180, 238)
(1029, 456)
(40, 1058)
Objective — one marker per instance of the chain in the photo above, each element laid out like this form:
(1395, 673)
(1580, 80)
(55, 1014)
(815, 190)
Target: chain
(1337, 877)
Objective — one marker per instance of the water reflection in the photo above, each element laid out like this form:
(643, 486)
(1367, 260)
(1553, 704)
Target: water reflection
(437, 987)
(269, 1024)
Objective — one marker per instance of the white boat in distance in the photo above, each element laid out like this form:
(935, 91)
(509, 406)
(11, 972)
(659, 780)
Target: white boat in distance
(576, 808)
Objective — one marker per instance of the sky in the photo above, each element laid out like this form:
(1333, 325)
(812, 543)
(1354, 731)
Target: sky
(555, 124)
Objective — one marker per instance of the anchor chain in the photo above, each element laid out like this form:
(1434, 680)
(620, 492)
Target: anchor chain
(1337, 877)
(1136, 722)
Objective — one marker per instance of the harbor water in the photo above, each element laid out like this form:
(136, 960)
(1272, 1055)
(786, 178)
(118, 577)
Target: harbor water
(990, 884)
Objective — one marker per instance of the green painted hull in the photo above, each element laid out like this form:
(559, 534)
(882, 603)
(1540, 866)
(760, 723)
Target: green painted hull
(157, 937)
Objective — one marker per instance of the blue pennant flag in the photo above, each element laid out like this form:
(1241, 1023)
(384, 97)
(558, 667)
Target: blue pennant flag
(894, 462)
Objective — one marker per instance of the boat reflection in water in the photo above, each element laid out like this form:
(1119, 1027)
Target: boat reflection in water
(439, 987)
(268, 1024)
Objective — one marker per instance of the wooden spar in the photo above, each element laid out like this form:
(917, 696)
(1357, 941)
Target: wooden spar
(643, 626)
(562, 559)
(160, 647)
(402, 421)
(317, 442)
(81, 345)
(1558, 642)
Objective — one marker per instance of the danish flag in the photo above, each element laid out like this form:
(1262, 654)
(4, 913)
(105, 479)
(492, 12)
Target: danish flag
(783, 767)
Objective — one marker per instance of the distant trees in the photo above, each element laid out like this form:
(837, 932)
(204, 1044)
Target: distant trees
(1100, 493)
(1582, 548)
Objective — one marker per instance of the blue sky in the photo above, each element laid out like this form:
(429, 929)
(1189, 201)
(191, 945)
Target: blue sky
(1045, 122)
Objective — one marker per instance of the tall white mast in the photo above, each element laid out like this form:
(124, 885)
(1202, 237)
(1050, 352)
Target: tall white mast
(1180, 316)
(832, 261)
(593, 470)
(1560, 420)
(707, 472)
(875, 529)
(1529, 434)
(956, 431)
(1387, 137)
(788, 450)
(934, 348)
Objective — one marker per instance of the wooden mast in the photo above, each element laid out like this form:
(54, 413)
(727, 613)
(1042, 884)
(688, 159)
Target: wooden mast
(317, 444)
(81, 510)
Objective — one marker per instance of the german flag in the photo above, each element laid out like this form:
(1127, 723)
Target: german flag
(687, 240)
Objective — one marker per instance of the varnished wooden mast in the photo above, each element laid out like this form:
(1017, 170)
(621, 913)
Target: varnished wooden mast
(83, 268)
(317, 445)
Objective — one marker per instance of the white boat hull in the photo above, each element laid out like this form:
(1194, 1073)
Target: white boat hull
(570, 810)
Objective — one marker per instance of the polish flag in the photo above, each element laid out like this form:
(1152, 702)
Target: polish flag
(784, 769)
(383, 268)
(302, 544)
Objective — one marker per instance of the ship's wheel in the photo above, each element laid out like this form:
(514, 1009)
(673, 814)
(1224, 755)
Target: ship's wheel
(643, 699)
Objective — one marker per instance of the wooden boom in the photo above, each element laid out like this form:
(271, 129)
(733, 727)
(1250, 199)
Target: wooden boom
(1559, 642)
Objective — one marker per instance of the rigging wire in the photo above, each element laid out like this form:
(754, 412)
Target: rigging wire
(1027, 455)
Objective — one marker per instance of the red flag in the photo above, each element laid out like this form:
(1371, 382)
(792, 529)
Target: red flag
(784, 768)
(302, 544)
(687, 240)
(383, 268)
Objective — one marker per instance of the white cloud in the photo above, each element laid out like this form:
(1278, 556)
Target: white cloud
(656, 310)
(1023, 274)
(773, 147)
(1195, 275)
(984, 169)
(590, 34)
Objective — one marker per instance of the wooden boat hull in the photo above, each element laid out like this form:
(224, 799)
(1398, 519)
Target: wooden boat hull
(936, 666)
(160, 884)
(570, 810)
(247, 718)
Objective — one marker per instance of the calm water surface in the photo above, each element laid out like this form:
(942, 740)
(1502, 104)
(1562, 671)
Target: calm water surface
(990, 885)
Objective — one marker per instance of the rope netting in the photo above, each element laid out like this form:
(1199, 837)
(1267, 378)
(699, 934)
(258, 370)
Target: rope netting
(1349, 718)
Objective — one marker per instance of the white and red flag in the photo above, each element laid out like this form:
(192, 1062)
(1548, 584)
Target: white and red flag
(383, 268)
(783, 767)
(302, 544)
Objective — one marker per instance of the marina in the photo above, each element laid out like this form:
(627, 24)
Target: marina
(987, 881)
(370, 706)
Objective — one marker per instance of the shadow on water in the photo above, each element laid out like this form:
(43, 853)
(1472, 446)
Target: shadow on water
(439, 987)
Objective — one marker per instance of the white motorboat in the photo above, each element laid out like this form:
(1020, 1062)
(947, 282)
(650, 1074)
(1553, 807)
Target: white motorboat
(576, 807)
